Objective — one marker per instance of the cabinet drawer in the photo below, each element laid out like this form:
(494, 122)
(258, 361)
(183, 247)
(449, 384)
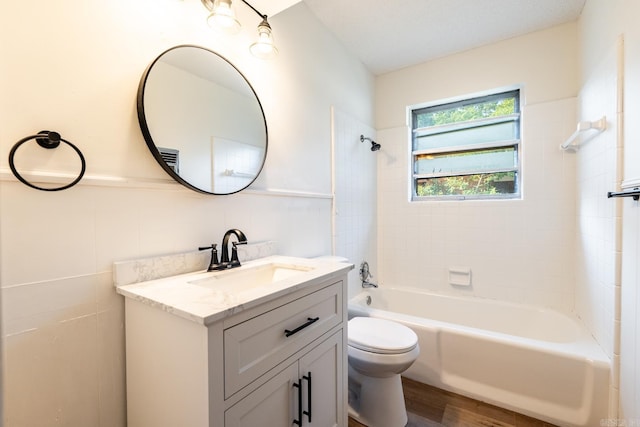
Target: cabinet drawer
(253, 347)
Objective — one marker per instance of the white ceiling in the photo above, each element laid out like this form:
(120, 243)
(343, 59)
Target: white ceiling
(271, 7)
(391, 34)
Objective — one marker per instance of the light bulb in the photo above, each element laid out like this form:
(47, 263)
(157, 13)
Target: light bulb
(223, 17)
(264, 47)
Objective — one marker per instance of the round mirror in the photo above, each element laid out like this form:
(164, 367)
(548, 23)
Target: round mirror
(202, 120)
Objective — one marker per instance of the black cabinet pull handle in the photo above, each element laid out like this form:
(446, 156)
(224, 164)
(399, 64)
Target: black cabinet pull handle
(310, 321)
(308, 411)
(298, 385)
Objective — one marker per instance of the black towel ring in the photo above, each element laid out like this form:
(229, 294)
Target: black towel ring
(49, 140)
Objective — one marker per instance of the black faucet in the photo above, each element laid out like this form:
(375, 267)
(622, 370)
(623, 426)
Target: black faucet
(242, 240)
(225, 262)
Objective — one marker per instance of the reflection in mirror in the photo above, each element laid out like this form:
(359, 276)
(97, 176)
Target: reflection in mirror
(202, 120)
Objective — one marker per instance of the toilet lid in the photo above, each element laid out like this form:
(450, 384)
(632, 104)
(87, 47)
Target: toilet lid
(380, 336)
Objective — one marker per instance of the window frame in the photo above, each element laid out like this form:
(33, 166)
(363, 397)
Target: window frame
(448, 104)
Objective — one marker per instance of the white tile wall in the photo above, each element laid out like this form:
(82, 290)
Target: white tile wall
(517, 250)
(64, 352)
(355, 194)
(630, 308)
(63, 322)
(596, 214)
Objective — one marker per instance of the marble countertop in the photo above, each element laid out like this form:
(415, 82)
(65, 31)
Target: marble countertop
(185, 296)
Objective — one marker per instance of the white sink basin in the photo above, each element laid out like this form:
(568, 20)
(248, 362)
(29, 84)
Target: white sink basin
(249, 278)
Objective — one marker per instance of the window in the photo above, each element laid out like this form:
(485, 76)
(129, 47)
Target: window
(467, 149)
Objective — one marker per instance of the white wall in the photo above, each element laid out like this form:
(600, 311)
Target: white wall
(610, 300)
(629, 373)
(596, 174)
(74, 67)
(356, 195)
(517, 250)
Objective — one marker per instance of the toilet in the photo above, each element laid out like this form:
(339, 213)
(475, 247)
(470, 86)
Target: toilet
(379, 351)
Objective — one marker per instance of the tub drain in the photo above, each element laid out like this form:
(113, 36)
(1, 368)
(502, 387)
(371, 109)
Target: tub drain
(368, 299)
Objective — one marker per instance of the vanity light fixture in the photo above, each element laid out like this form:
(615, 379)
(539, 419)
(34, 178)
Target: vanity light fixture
(223, 16)
(264, 47)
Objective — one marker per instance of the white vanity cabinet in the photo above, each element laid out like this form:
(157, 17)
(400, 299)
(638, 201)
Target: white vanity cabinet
(279, 363)
(306, 392)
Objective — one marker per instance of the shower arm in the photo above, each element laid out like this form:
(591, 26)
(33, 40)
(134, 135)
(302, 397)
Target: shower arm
(374, 145)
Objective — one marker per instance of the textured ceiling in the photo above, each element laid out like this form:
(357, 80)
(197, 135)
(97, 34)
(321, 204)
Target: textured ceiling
(391, 34)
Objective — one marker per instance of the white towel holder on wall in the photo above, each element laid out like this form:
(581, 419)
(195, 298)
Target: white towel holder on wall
(598, 125)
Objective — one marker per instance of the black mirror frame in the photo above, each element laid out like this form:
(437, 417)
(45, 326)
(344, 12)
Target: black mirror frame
(144, 127)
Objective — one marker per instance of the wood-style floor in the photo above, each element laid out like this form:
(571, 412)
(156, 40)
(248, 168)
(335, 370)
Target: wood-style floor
(431, 407)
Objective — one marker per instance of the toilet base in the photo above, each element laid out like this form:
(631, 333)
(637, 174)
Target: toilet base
(376, 402)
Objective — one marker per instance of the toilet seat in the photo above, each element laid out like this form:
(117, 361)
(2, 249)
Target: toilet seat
(380, 336)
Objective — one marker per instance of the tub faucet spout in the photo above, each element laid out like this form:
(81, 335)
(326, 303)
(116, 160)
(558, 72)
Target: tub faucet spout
(366, 284)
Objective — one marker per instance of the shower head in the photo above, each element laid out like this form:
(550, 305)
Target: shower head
(374, 145)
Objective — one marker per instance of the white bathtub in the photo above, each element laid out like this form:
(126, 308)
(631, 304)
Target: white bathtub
(533, 361)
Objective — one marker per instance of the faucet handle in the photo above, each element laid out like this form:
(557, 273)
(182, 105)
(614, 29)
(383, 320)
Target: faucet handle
(365, 274)
(235, 262)
(213, 264)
